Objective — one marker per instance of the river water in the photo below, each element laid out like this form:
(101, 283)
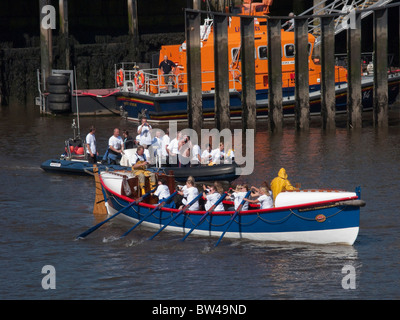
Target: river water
(42, 213)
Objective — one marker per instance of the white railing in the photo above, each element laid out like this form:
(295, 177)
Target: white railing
(149, 81)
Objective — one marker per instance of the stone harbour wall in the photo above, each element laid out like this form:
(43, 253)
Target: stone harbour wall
(94, 63)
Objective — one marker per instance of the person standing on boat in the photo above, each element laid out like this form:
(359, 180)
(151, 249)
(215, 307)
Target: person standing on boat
(281, 183)
(144, 131)
(164, 147)
(196, 156)
(91, 145)
(220, 156)
(128, 140)
(115, 147)
(206, 156)
(173, 149)
(167, 68)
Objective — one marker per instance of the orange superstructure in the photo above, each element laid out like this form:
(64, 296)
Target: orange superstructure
(177, 54)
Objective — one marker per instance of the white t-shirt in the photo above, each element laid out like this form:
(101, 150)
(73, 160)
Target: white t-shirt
(91, 141)
(266, 201)
(237, 199)
(164, 143)
(195, 153)
(173, 146)
(188, 195)
(213, 198)
(205, 156)
(116, 142)
(145, 136)
(156, 146)
(162, 192)
(217, 154)
(136, 157)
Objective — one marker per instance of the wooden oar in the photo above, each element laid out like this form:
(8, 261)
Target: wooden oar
(162, 204)
(233, 217)
(222, 197)
(90, 230)
(184, 209)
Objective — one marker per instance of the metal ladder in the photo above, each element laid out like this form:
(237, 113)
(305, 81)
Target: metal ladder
(339, 6)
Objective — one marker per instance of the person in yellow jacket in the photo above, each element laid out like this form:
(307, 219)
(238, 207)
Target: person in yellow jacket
(281, 183)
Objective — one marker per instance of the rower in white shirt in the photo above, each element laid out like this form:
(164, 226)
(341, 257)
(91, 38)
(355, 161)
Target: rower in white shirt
(189, 192)
(212, 197)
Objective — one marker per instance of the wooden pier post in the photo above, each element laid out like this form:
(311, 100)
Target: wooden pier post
(328, 103)
(46, 44)
(275, 111)
(354, 101)
(248, 73)
(380, 107)
(64, 33)
(221, 72)
(302, 104)
(133, 21)
(193, 53)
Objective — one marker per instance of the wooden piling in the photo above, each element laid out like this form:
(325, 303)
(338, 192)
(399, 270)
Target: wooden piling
(275, 110)
(328, 103)
(221, 72)
(248, 73)
(133, 21)
(46, 46)
(380, 104)
(354, 101)
(302, 108)
(193, 54)
(64, 33)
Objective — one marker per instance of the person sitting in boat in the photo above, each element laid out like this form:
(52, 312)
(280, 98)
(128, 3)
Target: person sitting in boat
(139, 164)
(167, 68)
(206, 156)
(264, 197)
(144, 132)
(128, 140)
(238, 196)
(162, 192)
(212, 196)
(189, 192)
(115, 147)
(139, 159)
(281, 183)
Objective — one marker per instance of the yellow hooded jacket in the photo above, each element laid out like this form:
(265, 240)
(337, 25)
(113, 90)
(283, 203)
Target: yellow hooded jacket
(280, 183)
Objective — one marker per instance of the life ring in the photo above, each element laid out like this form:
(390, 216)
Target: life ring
(120, 77)
(139, 79)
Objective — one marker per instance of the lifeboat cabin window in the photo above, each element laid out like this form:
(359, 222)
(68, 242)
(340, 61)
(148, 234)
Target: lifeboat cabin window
(262, 53)
(289, 50)
(236, 51)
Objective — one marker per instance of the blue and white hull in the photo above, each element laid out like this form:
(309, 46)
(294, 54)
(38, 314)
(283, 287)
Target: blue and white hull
(317, 216)
(173, 106)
